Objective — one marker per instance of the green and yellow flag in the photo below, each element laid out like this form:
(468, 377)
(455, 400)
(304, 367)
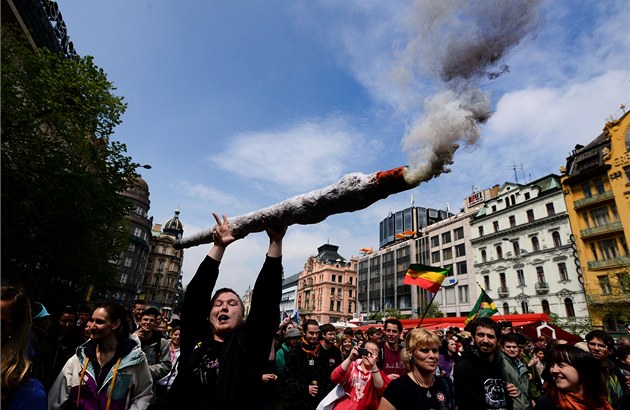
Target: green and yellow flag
(484, 307)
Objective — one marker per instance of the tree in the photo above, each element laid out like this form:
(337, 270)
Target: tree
(63, 220)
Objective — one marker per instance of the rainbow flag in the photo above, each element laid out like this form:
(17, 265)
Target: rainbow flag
(427, 277)
(485, 307)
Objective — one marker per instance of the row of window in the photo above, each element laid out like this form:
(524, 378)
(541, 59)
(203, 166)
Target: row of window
(447, 253)
(512, 222)
(623, 281)
(535, 246)
(608, 249)
(568, 307)
(563, 276)
(600, 216)
(446, 237)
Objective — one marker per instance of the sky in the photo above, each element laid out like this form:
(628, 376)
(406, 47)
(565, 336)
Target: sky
(238, 105)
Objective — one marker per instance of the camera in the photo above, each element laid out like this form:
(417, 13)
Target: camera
(362, 351)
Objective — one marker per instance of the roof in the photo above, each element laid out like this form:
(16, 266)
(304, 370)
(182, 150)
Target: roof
(174, 226)
(328, 253)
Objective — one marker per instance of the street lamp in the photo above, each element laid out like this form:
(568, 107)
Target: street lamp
(517, 253)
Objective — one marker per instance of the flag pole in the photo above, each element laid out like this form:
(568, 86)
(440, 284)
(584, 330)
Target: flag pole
(500, 314)
(427, 309)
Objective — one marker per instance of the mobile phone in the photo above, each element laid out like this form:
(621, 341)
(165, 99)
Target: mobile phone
(362, 351)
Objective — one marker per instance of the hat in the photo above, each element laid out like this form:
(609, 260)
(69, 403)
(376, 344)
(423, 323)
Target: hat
(293, 332)
(151, 311)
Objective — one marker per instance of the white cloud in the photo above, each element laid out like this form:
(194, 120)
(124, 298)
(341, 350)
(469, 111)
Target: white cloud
(301, 156)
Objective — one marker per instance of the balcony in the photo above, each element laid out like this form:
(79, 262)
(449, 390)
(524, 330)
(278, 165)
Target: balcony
(542, 288)
(609, 263)
(503, 292)
(580, 203)
(601, 229)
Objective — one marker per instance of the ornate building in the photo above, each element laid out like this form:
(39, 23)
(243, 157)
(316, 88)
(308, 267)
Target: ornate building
(596, 183)
(327, 287)
(163, 274)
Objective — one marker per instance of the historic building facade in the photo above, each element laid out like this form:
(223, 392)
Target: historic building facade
(522, 251)
(163, 273)
(327, 287)
(596, 183)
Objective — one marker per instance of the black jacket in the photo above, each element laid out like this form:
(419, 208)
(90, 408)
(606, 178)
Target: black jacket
(245, 352)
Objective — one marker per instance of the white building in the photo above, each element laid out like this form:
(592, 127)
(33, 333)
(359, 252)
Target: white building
(522, 250)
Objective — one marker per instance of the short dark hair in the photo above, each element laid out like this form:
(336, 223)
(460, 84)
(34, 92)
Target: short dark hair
(222, 291)
(309, 322)
(327, 327)
(393, 321)
(139, 302)
(371, 331)
(510, 337)
(600, 334)
(487, 323)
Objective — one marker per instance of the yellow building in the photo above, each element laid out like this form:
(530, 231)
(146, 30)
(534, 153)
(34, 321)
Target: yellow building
(596, 184)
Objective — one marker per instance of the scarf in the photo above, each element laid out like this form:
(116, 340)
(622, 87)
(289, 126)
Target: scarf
(575, 401)
(311, 350)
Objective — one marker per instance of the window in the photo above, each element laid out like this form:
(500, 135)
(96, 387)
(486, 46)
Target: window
(535, 244)
(562, 271)
(435, 241)
(128, 262)
(332, 291)
(530, 215)
(460, 250)
(608, 249)
(340, 278)
(526, 196)
(339, 291)
(524, 307)
(349, 307)
(586, 189)
(132, 247)
(586, 220)
(447, 253)
(495, 225)
(545, 306)
(521, 277)
(512, 220)
(332, 305)
(627, 171)
(156, 282)
(499, 252)
(486, 281)
(462, 268)
(334, 278)
(506, 308)
(349, 293)
(594, 251)
(450, 296)
(458, 233)
(604, 285)
(463, 294)
(568, 306)
(624, 282)
(599, 186)
(123, 278)
(350, 281)
(517, 248)
(502, 280)
(550, 209)
(338, 306)
(480, 230)
(484, 256)
(557, 242)
(494, 208)
(446, 237)
(540, 274)
(435, 257)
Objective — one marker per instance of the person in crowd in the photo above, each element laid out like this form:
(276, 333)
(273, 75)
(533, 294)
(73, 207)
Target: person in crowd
(573, 383)
(448, 357)
(374, 334)
(535, 367)
(361, 379)
(84, 314)
(162, 329)
(478, 378)
(420, 388)
(392, 362)
(623, 341)
(138, 307)
(304, 376)
(359, 337)
(218, 362)
(515, 371)
(329, 354)
(154, 346)
(601, 346)
(292, 336)
(345, 345)
(20, 390)
(110, 371)
(163, 385)
(69, 337)
(87, 330)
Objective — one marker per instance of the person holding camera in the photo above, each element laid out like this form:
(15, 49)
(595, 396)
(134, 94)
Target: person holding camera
(362, 380)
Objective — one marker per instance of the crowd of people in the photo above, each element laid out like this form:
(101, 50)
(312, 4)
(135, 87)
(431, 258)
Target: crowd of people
(112, 357)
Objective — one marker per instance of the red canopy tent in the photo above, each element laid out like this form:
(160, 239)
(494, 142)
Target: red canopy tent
(530, 324)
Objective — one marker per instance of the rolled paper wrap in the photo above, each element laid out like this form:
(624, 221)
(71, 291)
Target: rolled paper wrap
(351, 193)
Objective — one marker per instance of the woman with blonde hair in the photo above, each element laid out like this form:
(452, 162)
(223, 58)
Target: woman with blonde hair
(420, 388)
(345, 345)
(19, 389)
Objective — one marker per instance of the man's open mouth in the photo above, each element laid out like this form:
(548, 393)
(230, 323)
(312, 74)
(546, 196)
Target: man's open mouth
(223, 318)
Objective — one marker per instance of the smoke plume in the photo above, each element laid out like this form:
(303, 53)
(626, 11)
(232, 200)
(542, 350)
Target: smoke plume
(460, 42)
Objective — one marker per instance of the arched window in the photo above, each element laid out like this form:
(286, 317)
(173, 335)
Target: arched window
(535, 244)
(499, 252)
(484, 255)
(611, 325)
(545, 306)
(568, 305)
(524, 307)
(556, 239)
(506, 309)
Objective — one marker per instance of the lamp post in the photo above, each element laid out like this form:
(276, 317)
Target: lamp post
(517, 255)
